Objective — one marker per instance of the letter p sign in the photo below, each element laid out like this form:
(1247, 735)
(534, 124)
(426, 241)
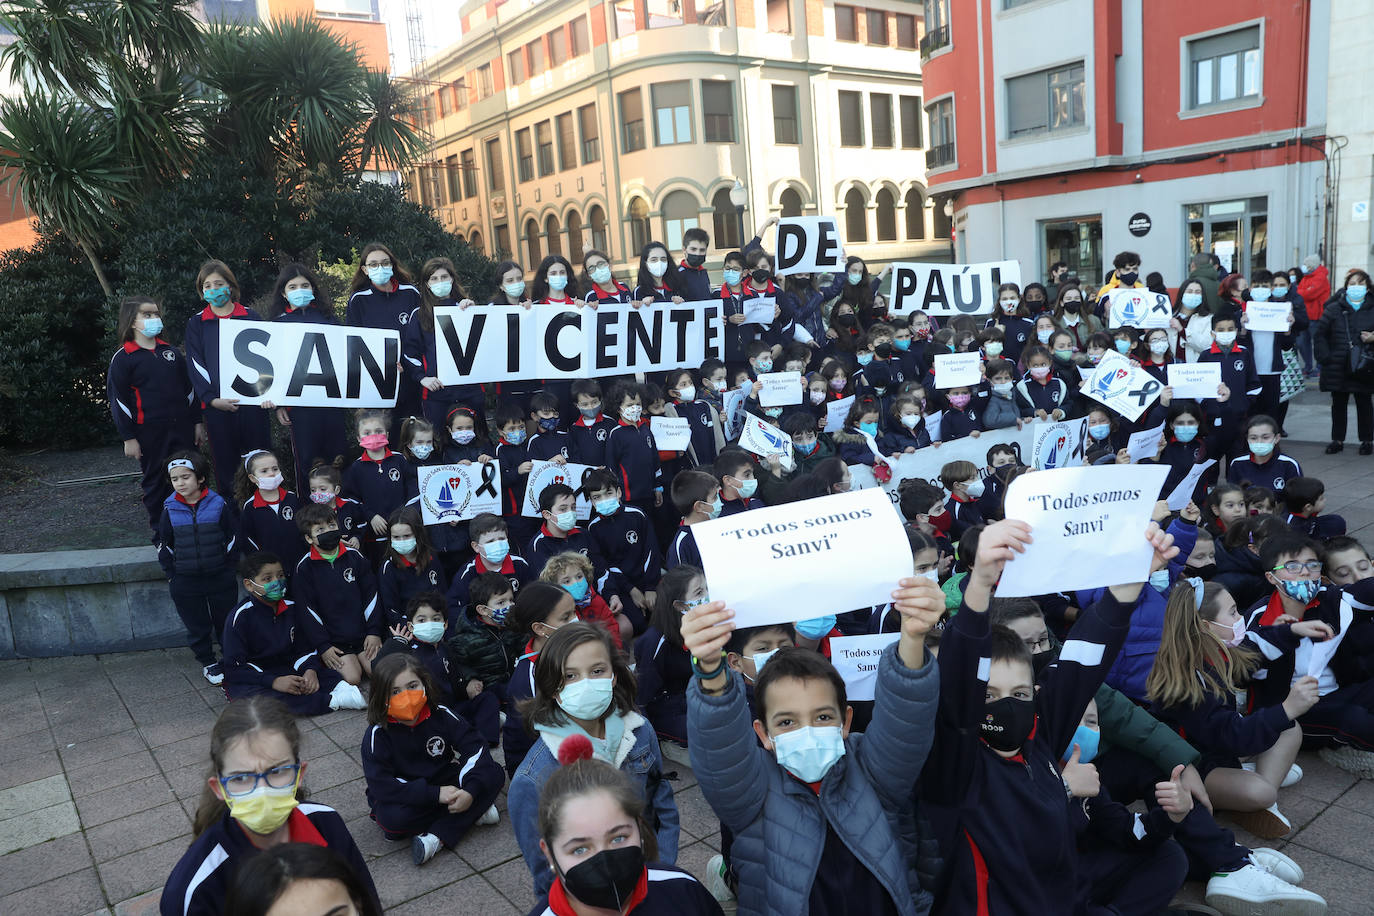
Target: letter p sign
(807, 244)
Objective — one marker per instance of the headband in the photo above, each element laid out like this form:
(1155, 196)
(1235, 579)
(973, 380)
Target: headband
(1196, 583)
(248, 458)
(180, 463)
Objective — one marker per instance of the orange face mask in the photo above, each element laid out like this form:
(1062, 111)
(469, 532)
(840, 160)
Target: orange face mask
(406, 705)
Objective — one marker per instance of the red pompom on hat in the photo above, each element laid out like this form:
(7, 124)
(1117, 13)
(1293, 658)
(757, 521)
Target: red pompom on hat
(574, 748)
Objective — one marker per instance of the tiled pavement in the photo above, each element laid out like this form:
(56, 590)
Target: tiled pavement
(102, 759)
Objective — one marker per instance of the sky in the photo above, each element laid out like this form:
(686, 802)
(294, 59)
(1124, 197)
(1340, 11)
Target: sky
(441, 28)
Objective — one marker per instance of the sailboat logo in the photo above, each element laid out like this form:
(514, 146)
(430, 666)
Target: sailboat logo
(445, 498)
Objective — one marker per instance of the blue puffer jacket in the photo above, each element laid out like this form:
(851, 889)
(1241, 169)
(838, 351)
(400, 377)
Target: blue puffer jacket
(1132, 666)
(866, 797)
(195, 540)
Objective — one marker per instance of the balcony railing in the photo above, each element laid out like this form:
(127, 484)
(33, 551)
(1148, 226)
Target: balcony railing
(940, 155)
(934, 40)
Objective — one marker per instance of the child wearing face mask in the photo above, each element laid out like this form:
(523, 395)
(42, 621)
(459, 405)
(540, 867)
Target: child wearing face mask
(662, 665)
(438, 287)
(738, 474)
(541, 609)
(484, 643)
(573, 572)
(550, 442)
(964, 416)
(1002, 409)
(1265, 465)
(417, 445)
(631, 453)
(1014, 321)
(844, 798)
(266, 650)
(1237, 375)
(380, 480)
(434, 799)
(809, 446)
(907, 430)
(326, 485)
(490, 545)
(658, 280)
(602, 286)
(336, 587)
(267, 514)
(708, 433)
(561, 533)
(589, 432)
(696, 495)
(409, 566)
(1044, 394)
(965, 486)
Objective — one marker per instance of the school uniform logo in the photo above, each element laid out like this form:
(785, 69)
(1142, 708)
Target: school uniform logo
(433, 577)
(632, 537)
(394, 474)
(169, 355)
(288, 513)
(435, 746)
(403, 317)
(1240, 365)
(1054, 395)
(705, 420)
(348, 524)
(601, 434)
(349, 575)
(1278, 483)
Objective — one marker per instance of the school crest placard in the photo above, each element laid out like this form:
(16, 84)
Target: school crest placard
(458, 492)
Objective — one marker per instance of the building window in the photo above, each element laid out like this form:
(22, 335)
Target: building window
(426, 192)
(543, 138)
(455, 186)
(460, 95)
(553, 238)
(596, 219)
(906, 31)
(567, 143)
(876, 20)
(591, 133)
(790, 202)
(1077, 242)
(941, 117)
(439, 98)
(495, 178)
(1012, 4)
(575, 247)
(469, 169)
(663, 14)
(780, 16)
(638, 218)
(672, 113)
(851, 118)
(718, 111)
(710, 12)
(475, 242)
(536, 52)
(484, 83)
(502, 249)
(532, 243)
(785, 114)
(724, 221)
(558, 46)
(910, 109)
(880, 114)
(1224, 68)
(581, 42)
(887, 216)
(855, 216)
(515, 64)
(632, 120)
(680, 213)
(1046, 101)
(915, 215)
(846, 23)
(624, 11)
(1236, 231)
(351, 9)
(937, 27)
(524, 154)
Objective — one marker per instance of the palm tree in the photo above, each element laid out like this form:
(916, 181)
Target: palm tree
(389, 133)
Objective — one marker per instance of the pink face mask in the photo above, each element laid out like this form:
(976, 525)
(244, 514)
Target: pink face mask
(373, 442)
(837, 383)
(817, 397)
(959, 401)
(1040, 372)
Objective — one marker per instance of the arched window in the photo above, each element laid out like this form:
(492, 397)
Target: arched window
(553, 239)
(575, 246)
(915, 215)
(791, 202)
(680, 213)
(532, 244)
(638, 216)
(725, 221)
(855, 216)
(596, 218)
(475, 242)
(887, 216)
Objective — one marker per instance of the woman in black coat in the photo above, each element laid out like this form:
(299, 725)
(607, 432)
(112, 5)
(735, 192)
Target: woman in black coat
(1345, 327)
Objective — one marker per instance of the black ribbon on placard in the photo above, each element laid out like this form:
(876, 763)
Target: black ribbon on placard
(488, 480)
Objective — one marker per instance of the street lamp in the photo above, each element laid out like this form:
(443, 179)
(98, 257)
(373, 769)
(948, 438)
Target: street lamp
(739, 196)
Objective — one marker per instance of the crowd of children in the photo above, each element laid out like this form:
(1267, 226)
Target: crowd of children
(581, 650)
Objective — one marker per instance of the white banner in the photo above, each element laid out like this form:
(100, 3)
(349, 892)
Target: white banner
(949, 289)
(1138, 308)
(456, 492)
(294, 364)
(1268, 316)
(958, 370)
(856, 659)
(671, 434)
(805, 559)
(500, 343)
(1120, 384)
(544, 473)
(925, 463)
(1194, 380)
(781, 389)
(1095, 512)
(808, 245)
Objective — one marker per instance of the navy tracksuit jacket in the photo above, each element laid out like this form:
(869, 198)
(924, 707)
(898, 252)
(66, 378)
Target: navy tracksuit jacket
(272, 527)
(340, 598)
(263, 642)
(632, 456)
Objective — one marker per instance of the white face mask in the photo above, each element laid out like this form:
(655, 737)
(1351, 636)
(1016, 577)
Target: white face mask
(632, 414)
(1226, 338)
(657, 268)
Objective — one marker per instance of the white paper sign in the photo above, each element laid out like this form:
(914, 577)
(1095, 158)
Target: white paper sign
(759, 310)
(1194, 380)
(1118, 383)
(856, 659)
(779, 564)
(835, 412)
(933, 424)
(733, 412)
(808, 244)
(1268, 316)
(957, 370)
(1138, 308)
(1183, 493)
(1092, 512)
(456, 492)
(780, 389)
(544, 473)
(1144, 444)
(672, 434)
(764, 440)
(295, 364)
(949, 289)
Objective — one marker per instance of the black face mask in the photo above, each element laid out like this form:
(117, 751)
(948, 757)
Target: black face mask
(760, 276)
(883, 351)
(1127, 278)
(1205, 573)
(1042, 660)
(848, 321)
(1071, 306)
(1008, 723)
(696, 260)
(606, 879)
(328, 541)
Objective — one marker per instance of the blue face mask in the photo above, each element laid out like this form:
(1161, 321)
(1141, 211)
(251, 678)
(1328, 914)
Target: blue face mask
(1192, 300)
(870, 428)
(902, 343)
(515, 437)
(816, 627)
(300, 298)
(558, 283)
(219, 298)
(1100, 431)
(578, 589)
(514, 290)
(548, 424)
(1087, 740)
(763, 365)
(1261, 449)
(731, 277)
(809, 752)
(1185, 433)
(379, 276)
(865, 358)
(1355, 294)
(430, 631)
(716, 507)
(566, 521)
(498, 614)
(152, 326)
(601, 275)
(1303, 590)
(441, 288)
(422, 451)
(1123, 346)
(607, 506)
(1159, 580)
(496, 551)
(809, 447)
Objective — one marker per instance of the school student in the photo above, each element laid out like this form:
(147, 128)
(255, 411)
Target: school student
(513, 458)
(1237, 374)
(623, 536)
(1265, 465)
(380, 480)
(482, 641)
(326, 488)
(267, 513)
(550, 441)
(318, 434)
(1304, 498)
(693, 276)
(250, 803)
(491, 546)
(335, 586)
(381, 295)
(602, 286)
(539, 610)
(429, 775)
(696, 495)
(631, 453)
(708, 434)
(154, 407)
(661, 662)
(965, 486)
(584, 687)
(1014, 321)
(573, 571)
(658, 280)
(438, 286)
(588, 433)
(196, 547)
(409, 566)
(233, 430)
(738, 482)
(297, 874)
(1041, 392)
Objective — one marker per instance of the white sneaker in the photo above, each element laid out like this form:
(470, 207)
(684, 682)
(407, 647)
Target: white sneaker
(1293, 777)
(214, 676)
(1269, 824)
(1351, 759)
(491, 817)
(1278, 865)
(715, 879)
(1252, 891)
(346, 696)
(423, 848)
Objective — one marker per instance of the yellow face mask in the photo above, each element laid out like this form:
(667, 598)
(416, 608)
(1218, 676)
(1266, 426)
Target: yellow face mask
(264, 809)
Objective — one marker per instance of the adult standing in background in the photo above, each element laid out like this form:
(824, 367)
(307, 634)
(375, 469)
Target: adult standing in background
(1345, 328)
(1315, 288)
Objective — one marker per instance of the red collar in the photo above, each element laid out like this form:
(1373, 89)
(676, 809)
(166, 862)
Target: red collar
(616, 283)
(182, 500)
(507, 565)
(391, 286)
(585, 424)
(1236, 348)
(955, 497)
(367, 457)
(260, 503)
(131, 346)
(1274, 609)
(685, 266)
(424, 714)
(725, 290)
(208, 313)
(769, 290)
(558, 898)
(403, 561)
(316, 555)
(339, 502)
(571, 531)
(564, 301)
(280, 608)
(641, 422)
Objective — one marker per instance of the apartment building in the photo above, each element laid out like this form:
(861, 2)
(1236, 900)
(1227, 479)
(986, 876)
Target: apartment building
(358, 21)
(564, 125)
(1073, 129)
